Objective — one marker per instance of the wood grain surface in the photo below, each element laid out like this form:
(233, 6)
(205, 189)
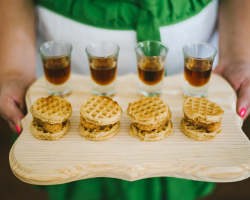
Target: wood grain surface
(71, 158)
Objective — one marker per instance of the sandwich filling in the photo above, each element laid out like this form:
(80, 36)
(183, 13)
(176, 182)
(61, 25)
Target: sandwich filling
(91, 126)
(208, 127)
(52, 128)
(152, 126)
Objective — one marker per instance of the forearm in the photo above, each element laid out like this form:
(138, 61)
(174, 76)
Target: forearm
(17, 40)
(234, 50)
(234, 30)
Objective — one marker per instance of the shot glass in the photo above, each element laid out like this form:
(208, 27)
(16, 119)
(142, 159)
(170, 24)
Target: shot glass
(56, 58)
(151, 56)
(198, 62)
(102, 58)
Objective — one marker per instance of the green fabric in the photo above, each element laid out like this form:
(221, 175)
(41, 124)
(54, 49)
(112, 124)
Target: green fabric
(144, 16)
(115, 189)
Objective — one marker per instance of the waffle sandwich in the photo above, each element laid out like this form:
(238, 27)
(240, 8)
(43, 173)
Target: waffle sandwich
(151, 119)
(202, 118)
(99, 118)
(50, 117)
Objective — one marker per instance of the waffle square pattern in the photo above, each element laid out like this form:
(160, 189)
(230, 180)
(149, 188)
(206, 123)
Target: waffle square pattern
(101, 110)
(148, 110)
(202, 109)
(151, 119)
(202, 118)
(99, 118)
(50, 117)
(52, 109)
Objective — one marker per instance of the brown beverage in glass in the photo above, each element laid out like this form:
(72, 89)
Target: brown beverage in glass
(103, 70)
(57, 69)
(197, 71)
(150, 70)
(103, 57)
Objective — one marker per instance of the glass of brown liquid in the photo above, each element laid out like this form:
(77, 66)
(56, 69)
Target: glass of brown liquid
(103, 67)
(56, 58)
(151, 56)
(198, 62)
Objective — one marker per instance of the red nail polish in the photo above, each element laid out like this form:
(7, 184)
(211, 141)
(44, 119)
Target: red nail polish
(18, 129)
(243, 111)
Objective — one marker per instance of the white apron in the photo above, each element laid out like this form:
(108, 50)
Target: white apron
(199, 28)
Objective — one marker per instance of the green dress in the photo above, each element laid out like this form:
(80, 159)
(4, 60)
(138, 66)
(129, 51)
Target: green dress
(144, 16)
(115, 189)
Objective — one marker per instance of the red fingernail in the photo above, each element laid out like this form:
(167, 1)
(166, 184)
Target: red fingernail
(18, 129)
(243, 111)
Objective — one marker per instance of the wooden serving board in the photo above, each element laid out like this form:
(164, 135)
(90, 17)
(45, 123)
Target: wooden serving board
(71, 158)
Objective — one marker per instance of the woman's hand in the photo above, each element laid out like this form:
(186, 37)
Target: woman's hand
(234, 49)
(237, 73)
(12, 103)
(17, 58)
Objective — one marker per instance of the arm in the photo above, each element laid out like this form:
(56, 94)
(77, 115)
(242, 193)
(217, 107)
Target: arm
(17, 57)
(234, 48)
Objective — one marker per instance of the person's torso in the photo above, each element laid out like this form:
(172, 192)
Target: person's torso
(198, 25)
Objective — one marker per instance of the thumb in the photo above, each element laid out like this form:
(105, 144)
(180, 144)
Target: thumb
(243, 103)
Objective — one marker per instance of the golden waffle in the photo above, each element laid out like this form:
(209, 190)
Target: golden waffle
(101, 110)
(150, 136)
(42, 134)
(148, 110)
(153, 126)
(202, 110)
(52, 109)
(197, 133)
(100, 133)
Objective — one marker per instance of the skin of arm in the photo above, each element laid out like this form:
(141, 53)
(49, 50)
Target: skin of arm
(234, 48)
(17, 57)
